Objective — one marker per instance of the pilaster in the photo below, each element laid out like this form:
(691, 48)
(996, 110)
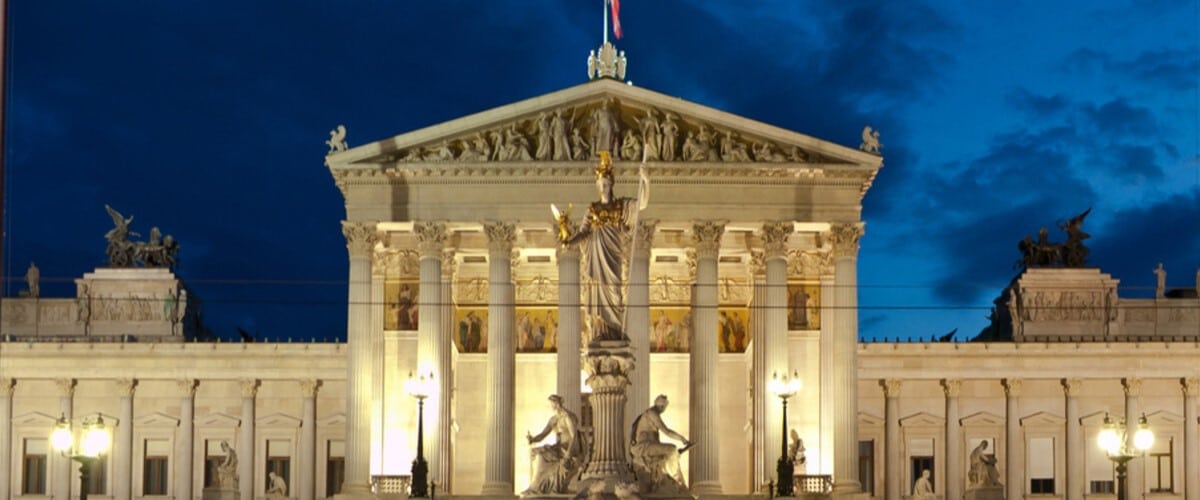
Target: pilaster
(62, 465)
(705, 461)
(443, 465)
(185, 440)
(305, 480)
(1076, 480)
(1133, 410)
(844, 238)
(6, 392)
(246, 480)
(1014, 445)
(955, 478)
(1191, 447)
(498, 476)
(764, 451)
(892, 454)
(122, 447)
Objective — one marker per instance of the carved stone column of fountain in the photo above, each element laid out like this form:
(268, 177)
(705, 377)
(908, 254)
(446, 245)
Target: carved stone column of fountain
(608, 364)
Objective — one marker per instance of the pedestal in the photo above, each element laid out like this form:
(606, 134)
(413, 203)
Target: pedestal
(608, 364)
(984, 493)
(220, 494)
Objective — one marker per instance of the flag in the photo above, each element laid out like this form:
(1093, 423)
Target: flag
(616, 11)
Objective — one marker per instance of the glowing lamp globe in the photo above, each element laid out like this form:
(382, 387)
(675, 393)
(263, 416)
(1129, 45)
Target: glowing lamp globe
(61, 437)
(1109, 440)
(95, 439)
(1143, 439)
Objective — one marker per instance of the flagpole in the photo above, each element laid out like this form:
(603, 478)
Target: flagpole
(604, 7)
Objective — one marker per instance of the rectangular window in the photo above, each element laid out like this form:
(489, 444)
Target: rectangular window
(1041, 465)
(920, 458)
(921, 464)
(279, 460)
(213, 457)
(866, 465)
(335, 468)
(1159, 470)
(1099, 468)
(33, 467)
(1102, 487)
(154, 467)
(98, 477)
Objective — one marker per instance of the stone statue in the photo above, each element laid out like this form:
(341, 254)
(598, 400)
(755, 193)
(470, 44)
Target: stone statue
(1074, 252)
(33, 277)
(227, 470)
(796, 449)
(651, 136)
(278, 487)
(923, 487)
(670, 134)
(579, 146)
(602, 236)
(983, 471)
(591, 64)
(337, 140)
(1160, 290)
(870, 140)
(120, 249)
(545, 147)
(732, 149)
(555, 464)
(655, 463)
(631, 147)
(606, 127)
(159, 251)
(558, 131)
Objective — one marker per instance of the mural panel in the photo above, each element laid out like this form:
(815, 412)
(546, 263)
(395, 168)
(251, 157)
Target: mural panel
(470, 330)
(804, 306)
(400, 305)
(536, 329)
(733, 329)
(670, 329)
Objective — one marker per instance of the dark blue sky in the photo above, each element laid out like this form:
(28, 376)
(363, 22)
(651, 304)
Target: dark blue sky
(206, 119)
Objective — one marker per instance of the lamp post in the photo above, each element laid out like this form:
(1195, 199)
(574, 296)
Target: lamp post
(420, 387)
(785, 387)
(94, 440)
(1114, 440)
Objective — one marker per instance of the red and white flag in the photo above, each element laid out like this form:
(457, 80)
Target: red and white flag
(616, 15)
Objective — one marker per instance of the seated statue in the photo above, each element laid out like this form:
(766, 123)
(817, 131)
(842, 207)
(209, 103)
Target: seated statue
(227, 473)
(983, 471)
(655, 463)
(923, 487)
(278, 487)
(557, 463)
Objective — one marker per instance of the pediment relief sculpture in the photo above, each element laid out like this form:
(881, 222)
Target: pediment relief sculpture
(629, 131)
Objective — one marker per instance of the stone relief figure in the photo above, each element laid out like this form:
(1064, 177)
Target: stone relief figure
(606, 127)
(923, 487)
(1160, 290)
(870, 140)
(33, 278)
(557, 463)
(764, 152)
(983, 471)
(732, 149)
(558, 131)
(631, 147)
(579, 146)
(227, 470)
(651, 136)
(278, 487)
(706, 137)
(655, 463)
(545, 147)
(670, 134)
(337, 140)
(517, 145)
(691, 149)
(602, 237)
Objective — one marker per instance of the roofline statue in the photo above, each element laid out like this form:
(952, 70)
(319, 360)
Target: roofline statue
(1042, 253)
(159, 251)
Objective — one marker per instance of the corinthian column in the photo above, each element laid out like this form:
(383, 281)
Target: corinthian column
(569, 327)
(1133, 394)
(1075, 444)
(637, 324)
(122, 448)
(360, 243)
(844, 376)
(498, 476)
(6, 392)
(62, 465)
(705, 461)
(433, 339)
(770, 346)
(891, 439)
(308, 441)
(442, 472)
(186, 441)
(246, 482)
(1014, 445)
(764, 451)
(953, 454)
(1191, 445)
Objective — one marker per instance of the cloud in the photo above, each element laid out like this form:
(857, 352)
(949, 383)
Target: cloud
(1172, 69)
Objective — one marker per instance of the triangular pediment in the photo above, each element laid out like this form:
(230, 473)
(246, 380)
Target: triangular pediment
(1097, 418)
(34, 419)
(981, 419)
(332, 420)
(568, 125)
(218, 420)
(922, 419)
(869, 420)
(1164, 417)
(278, 420)
(1042, 418)
(156, 419)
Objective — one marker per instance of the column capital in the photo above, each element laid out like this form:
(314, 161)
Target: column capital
(431, 238)
(6, 386)
(360, 237)
(187, 387)
(1012, 387)
(1132, 386)
(1072, 386)
(449, 263)
(249, 387)
(309, 387)
(774, 237)
(66, 387)
(706, 236)
(891, 387)
(845, 238)
(951, 387)
(501, 236)
(1190, 386)
(126, 386)
(645, 237)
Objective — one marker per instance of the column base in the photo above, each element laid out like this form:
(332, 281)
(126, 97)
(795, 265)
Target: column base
(355, 491)
(848, 490)
(984, 493)
(706, 488)
(498, 489)
(220, 494)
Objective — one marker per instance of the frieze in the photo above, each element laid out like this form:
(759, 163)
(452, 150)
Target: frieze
(733, 291)
(667, 290)
(472, 291)
(1063, 306)
(537, 290)
(809, 263)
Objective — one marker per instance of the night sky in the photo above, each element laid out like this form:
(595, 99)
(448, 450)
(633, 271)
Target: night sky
(207, 119)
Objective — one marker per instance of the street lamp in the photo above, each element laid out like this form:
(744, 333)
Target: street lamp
(785, 387)
(1114, 440)
(93, 444)
(420, 387)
